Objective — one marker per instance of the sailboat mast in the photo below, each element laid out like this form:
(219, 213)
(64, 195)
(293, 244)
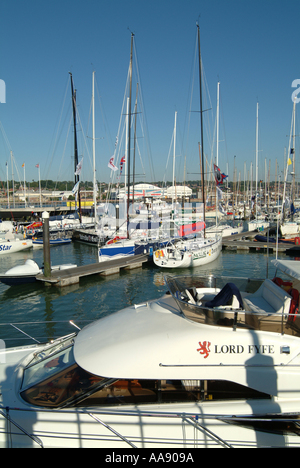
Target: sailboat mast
(94, 151)
(201, 121)
(134, 147)
(256, 162)
(217, 156)
(75, 144)
(129, 132)
(218, 118)
(293, 152)
(174, 155)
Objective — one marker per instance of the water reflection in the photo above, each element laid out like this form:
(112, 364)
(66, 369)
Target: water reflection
(97, 296)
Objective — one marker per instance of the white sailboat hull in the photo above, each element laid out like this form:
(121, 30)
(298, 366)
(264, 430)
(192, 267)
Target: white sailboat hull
(209, 253)
(288, 229)
(14, 245)
(223, 231)
(257, 224)
(188, 253)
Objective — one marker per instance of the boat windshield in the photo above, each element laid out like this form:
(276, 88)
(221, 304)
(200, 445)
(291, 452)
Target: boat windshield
(241, 303)
(54, 379)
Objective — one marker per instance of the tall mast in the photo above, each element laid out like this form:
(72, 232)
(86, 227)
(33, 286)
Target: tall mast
(218, 118)
(217, 155)
(94, 151)
(12, 176)
(256, 162)
(134, 148)
(129, 132)
(293, 153)
(174, 154)
(75, 144)
(201, 121)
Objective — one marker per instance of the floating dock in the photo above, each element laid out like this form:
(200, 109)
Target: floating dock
(72, 275)
(245, 241)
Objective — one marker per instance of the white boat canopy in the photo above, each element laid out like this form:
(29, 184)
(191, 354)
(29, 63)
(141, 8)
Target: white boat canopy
(289, 267)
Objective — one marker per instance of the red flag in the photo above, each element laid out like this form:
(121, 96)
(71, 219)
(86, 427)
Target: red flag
(219, 177)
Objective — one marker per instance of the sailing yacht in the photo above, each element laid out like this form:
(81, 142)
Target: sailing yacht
(224, 230)
(288, 227)
(188, 252)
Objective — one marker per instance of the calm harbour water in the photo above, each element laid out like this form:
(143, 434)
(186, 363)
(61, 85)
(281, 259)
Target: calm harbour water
(48, 309)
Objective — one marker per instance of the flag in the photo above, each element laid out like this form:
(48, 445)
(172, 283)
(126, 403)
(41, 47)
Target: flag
(219, 193)
(79, 167)
(289, 162)
(75, 188)
(37, 165)
(111, 164)
(219, 177)
(23, 165)
(121, 164)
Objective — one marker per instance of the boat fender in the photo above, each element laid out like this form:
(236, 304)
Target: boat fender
(159, 253)
(294, 307)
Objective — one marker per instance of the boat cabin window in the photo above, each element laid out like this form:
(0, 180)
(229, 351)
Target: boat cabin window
(141, 391)
(54, 379)
(57, 381)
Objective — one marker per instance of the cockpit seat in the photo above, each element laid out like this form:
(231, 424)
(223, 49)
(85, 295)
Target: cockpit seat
(269, 298)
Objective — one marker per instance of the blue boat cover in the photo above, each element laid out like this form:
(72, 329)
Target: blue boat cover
(225, 295)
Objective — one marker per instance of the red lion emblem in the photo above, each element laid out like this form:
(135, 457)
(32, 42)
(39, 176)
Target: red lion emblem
(204, 348)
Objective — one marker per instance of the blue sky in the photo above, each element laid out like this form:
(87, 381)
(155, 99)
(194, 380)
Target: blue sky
(250, 46)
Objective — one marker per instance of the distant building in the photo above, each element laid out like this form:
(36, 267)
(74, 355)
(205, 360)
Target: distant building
(143, 190)
(149, 190)
(179, 191)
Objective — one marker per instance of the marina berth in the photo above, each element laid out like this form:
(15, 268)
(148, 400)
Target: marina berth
(27, 273)
(213, 362)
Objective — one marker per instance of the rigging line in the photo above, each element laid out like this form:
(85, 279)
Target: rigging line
(12, 154)
(117, 148)
(84, 139)
(191, 92)
(46, 170)
(223, 125)
(5, 137)
(104, 119)
(63, 155)
(170, 149)
(143, 112)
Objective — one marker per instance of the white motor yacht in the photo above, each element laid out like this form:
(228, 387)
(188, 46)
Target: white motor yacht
(211, 363)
